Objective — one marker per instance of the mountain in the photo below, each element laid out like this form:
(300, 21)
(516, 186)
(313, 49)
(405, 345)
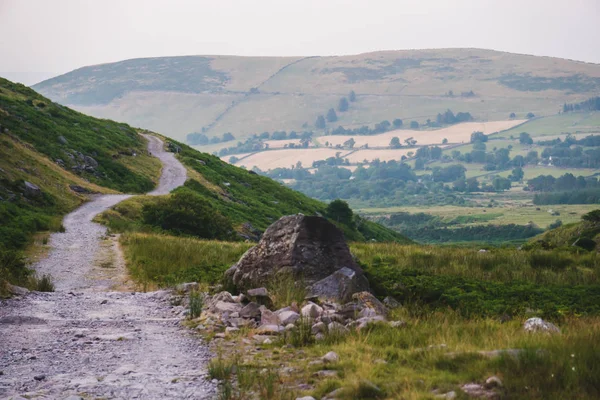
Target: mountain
(246, 95)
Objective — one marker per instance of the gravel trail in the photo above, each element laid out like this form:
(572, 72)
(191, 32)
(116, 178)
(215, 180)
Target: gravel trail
(87, 341)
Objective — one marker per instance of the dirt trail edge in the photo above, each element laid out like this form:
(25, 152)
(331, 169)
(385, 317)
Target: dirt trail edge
(87, 342)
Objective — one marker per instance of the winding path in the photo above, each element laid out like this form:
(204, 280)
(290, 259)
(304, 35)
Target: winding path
(89, 342)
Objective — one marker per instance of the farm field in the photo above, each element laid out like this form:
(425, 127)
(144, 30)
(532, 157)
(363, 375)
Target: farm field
(286, 158)
(517, 214)
(579, 124)
(459, 133)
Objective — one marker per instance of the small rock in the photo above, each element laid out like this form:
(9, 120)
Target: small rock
(62, 140)
(230, 330)
(397, 324)
(367, 300)
(104, 302)
(290, 327)
(288, 317)
(187, 287)
(250, 310)
(259, 292)
(31, 190)
(330, 357)
(319, 336)
(326, 374)
(305, 398)
(268, 317)
(493, 382)
(17, 290)
(319, 327)
(539, 325)
(391, 302)
(335, 328)
(269, 329)
(311, 310)
(267, 341)
(39, 377)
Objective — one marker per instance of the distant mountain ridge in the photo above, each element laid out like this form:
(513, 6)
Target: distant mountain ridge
(245, 95)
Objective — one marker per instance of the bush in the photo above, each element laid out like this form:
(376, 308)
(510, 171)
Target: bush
(184, 213)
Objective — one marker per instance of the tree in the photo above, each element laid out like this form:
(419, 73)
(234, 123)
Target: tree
(530, 115)
(512, 115)
(472, 185)
(349, 143)
(525, 138)
(320, 122)
(293, 135)
(500, 184)
(397, 123)
(343, 105)
(227, 136)
(331, 115)
(352, 96)
(478, 137)
(395, 143)
(339, 211)
(233, 159)
(479, 146)
(517, 174)
(419, 164)
(444, 141)
(264, 135)
(414, 125)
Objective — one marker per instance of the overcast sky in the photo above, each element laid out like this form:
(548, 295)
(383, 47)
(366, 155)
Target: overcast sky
(43, 38)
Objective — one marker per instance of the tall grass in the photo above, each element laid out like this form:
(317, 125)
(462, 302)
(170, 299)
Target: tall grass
(166, 260)
(500, 265)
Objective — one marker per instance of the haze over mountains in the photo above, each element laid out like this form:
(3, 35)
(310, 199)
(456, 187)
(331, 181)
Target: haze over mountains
(247, 95)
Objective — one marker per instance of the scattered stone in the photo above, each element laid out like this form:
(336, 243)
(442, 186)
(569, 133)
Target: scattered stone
(391, 302)
(31, 190)
(367, 300)
(339, 286)
(311, 310)
(62, 140)
(450, 395)
(259, 292)
(365, 322)
(77, 188)
(104, 302)
(539, 325)
(187, 287)
(267, 341)
(319, 327)
(307, 247)
(17, 290)
(74, 397)
(269, 329)
(330, 358)
(288, 317)
(493, 382)
(319, 336)
(335, 328)
(326, 373)
(39, 377)
(268, 317)
(250, 310)
(477, 390)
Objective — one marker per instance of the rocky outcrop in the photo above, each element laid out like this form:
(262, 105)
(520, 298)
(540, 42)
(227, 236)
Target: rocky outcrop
(310, 248)
(32, 191)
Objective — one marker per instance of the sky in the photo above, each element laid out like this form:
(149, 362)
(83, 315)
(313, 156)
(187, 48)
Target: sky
(40, 39)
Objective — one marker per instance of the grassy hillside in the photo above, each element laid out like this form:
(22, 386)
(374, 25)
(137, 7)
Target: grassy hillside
(47, 151)
(245, 95)
(578, 235)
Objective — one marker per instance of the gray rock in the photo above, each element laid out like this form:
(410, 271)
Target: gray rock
(221, 307)
(365, 322)
(39, 377)
(268, 317)
(250, 310)
(269, 329)
(305, 398)
(539, 325)
(288, 317)
(187, 287)
(319, 327)
(230, 330)
(339, 286)
(74, 397)
(391, 302)
(326, 374)
(493, 382)
(309, 248)
(330, 358)
(335, 328)
(311, 310)
(31, 190)
(90, 162)
(259, 292)
(62, 140)
(367, 300)
(397, 324)
(16, 290)
(319, 336)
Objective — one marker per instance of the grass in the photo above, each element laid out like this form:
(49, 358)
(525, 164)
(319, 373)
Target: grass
(157, 260)
(515, 212)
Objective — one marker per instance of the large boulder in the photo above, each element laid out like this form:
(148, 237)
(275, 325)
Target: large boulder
(310, 248)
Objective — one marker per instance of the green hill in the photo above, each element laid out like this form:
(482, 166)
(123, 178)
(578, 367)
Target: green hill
(246, 95)
(579, 235)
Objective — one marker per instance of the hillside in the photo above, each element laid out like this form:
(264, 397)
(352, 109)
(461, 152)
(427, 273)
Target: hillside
(246, 95)
(584, 234)
(52, 157)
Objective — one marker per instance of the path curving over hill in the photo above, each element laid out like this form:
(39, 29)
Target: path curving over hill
(87, 340)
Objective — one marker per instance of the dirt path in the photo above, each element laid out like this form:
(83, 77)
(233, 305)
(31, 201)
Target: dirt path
(84, 340)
